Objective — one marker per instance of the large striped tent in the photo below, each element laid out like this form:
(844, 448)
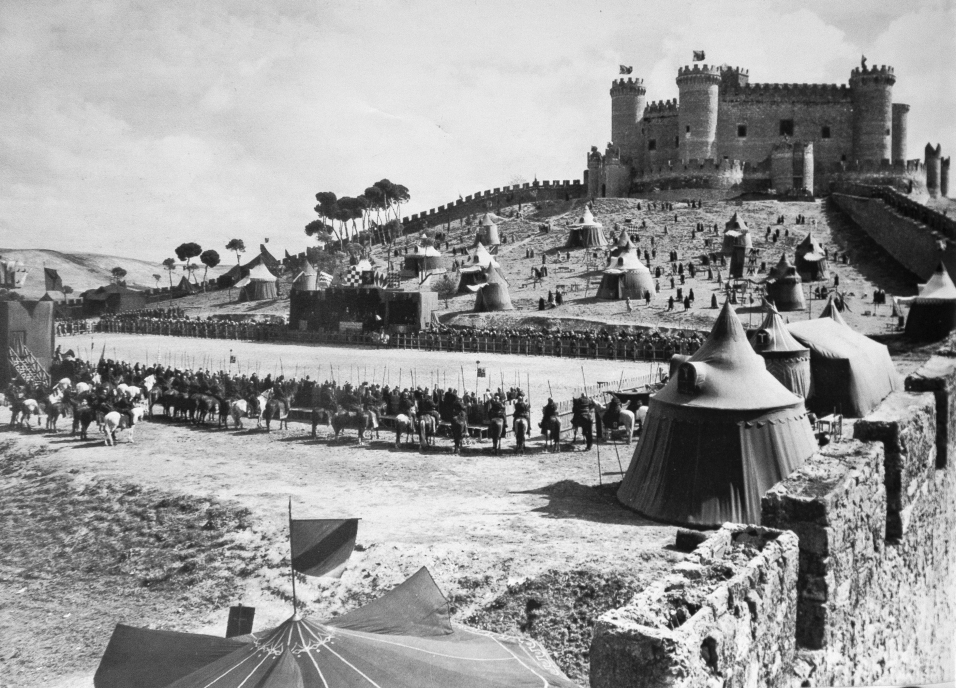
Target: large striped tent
(423, 258)
(258, 285)
(493, 294)
(932, 314)
(784, 286)
(587, 233)
(474, 272)
(307, 279)
(487, 233)
(787, 359)
(625, 276)
(811, 259)
(717, 436)
(404, 639)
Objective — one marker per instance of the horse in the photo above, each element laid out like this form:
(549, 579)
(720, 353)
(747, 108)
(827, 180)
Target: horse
(154, 396)
(404, 424)
(206, 406)
(521, 432)
(640, 416)
(278, 409)
(135, 415)
(112, 422)
(426, 431)
(459, 429)
(350, 419)
(496, 430)
(257, 405)
(625, 419)
(552, 433)
(237, 410)
(584, 422)
(25, 408)
(56, 406)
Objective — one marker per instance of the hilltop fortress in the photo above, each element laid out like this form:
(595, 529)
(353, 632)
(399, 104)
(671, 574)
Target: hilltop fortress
(725, 133)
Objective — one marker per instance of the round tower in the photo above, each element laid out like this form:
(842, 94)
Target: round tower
(697, 114)
(803, 166)
(871, 95)
(627, 109)
(899, 131)
(594, 173)
(944, 177)
(933, 168)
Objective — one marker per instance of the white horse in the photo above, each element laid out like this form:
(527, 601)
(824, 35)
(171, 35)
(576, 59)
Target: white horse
(149, 382)
(624, 420)
(63, 385)
(640, 415)
(112, 422)
(237, 411)
(136, 415)
(134, 393)
(82, 387)
(28, 409)
(261, 400)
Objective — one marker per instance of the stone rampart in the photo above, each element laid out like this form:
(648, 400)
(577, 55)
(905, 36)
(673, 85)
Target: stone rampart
(912, 243)
(726, 616)
(872, 600)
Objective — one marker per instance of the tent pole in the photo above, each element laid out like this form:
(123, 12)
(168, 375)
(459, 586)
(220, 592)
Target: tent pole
(295, 609)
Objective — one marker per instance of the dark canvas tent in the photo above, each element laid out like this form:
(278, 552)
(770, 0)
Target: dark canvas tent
(832, 309)
(258, 285)
(112, 298)
(186, 287)
(487, 233)
(850, 372)
(932, 314)
(493, 294)
(404, 639)
(621, 244)
(587, 233)
(787, 359)
(717, 437)
(474, 272)
(626, 276)
(422, 259)
(784, 287)
(811, 259)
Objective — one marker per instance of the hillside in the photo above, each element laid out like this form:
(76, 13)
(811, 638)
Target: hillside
(84, 271)
(869, 266)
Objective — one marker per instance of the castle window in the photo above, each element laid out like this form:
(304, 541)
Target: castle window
(741, 131)
(786, 127)
(677, 142)
(652, 145)
(688, 129)
(825, 132)
(887, 132)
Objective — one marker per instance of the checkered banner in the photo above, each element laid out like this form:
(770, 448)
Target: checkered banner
(353, 278)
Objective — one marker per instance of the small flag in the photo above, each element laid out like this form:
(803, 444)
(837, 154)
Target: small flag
(232, 359)
(698, 55)
(103, 354)
(53, 280)
(321, 545)
(626, 70)
(267, 238)
(481, 372)
(325, 279)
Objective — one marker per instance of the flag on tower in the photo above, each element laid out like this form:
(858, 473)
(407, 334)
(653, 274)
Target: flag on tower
(698, 55)
(626, 70)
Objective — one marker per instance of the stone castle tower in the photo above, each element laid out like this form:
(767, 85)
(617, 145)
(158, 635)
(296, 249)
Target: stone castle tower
(725, 132)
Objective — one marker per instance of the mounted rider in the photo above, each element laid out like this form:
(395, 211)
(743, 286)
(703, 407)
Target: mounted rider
(582, 410)
(522, 410)
(496, 409)
(550, 410)
(427, 407)
(371, 402)
(612, 414)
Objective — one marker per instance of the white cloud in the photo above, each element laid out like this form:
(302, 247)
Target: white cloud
(130, 127)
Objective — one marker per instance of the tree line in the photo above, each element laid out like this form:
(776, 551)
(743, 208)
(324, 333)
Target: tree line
(338, 217)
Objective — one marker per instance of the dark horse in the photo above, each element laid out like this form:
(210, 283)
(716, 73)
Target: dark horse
(459, 428)
(277, 408)
(344, 420)
(496, 430)
(521, 432)
(552, 433)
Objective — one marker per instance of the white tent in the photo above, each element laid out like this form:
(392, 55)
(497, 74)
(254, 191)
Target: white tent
(258, 285)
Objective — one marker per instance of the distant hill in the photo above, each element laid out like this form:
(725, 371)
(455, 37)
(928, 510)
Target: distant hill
(84, 271)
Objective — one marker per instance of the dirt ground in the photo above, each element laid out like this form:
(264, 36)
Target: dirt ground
(489, 528)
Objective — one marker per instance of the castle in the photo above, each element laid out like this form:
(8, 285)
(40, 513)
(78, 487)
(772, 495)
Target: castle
(725, 133)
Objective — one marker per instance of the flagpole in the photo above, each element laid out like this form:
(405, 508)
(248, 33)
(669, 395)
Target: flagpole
(295, 609)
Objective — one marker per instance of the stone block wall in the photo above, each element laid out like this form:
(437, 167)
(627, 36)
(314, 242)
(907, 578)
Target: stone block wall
(725, 616)
(872, 598)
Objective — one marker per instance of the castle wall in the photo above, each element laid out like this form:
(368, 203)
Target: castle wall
(872, 601)
(660, 125)
(914, 245)
(762, 107)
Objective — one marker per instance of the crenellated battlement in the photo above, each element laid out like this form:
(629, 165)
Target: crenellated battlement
(629, 86)
(661, 108)
(734, 70)
(818, 93)
(881, 75)
(708, 71)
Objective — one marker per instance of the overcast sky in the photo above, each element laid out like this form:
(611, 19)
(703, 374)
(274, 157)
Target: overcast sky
(130, 127)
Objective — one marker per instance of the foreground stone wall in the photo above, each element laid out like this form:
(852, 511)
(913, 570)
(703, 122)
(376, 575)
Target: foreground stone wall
(726, 616)
(873, 598)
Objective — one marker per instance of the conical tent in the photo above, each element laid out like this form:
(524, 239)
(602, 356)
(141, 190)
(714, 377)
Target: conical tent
(831, 311)
(851, 373)
(784, 287)
(717, 437)
(404, 639)
(493, 294)
(736, 233)
(258, 285)
(626, 277)
(307, 279)
(621, 245)
(474, 272)
(811, 259)
(186, 287)
(787, 359)
(587, 233)
(422, 259)
(487, 233)
(932, 314)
